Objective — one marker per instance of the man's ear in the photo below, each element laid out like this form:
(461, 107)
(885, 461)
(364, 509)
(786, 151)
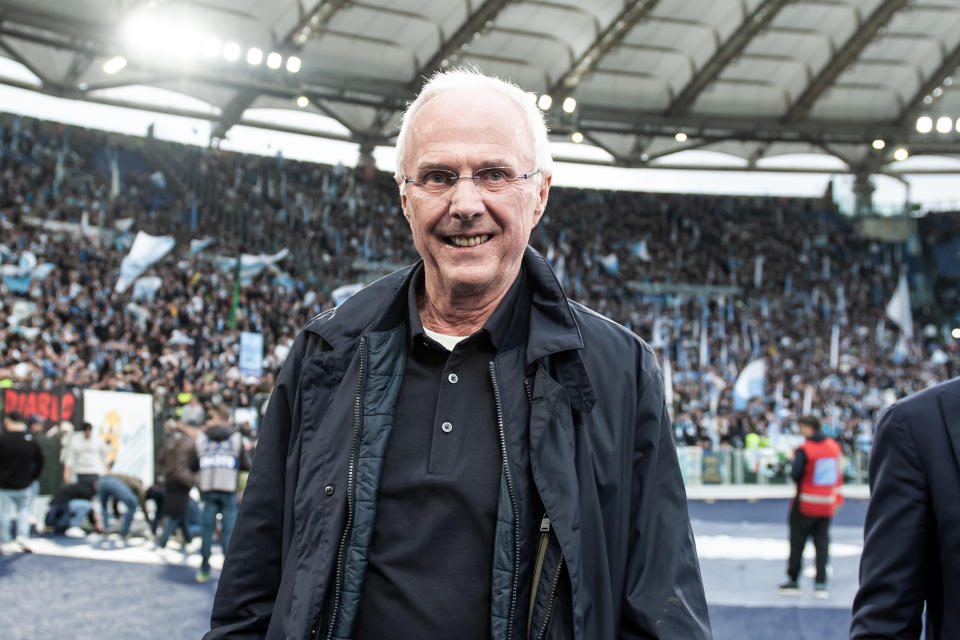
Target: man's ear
(543, 196)
(403, 197)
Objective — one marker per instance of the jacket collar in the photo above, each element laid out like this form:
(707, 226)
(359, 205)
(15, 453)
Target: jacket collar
(554, 331)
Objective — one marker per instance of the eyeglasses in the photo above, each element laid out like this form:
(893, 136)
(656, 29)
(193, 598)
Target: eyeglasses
(491, 181)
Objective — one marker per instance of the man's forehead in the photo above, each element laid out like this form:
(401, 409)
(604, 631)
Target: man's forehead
(481, 121)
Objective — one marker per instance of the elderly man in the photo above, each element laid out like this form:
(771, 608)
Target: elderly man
(458, 450)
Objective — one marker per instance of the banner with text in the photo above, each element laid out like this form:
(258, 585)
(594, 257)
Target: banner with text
(51, 407)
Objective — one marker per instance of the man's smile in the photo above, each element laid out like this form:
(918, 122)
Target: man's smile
(467, 241)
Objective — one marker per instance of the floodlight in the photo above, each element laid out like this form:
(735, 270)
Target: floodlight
(924, 124)
(211, 47)
(545, 102)
(957, 126)
(274, 60)
(303, 102)
(955, 333)
(569, 104)
(936, 93)
(293, 64)
(944, 124)
(254, 56)
(680, 136)
(901, 154)
(231, 51)
(577, 137)
(114, 64)
(879, 144)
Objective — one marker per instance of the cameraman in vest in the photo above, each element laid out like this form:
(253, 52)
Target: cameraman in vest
(219, 458)
(817, 470)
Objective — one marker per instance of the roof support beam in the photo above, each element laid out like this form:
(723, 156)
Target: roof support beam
(627, 122)
(633, 12)
(861, 37)
(5, 46)
(78, 66)
(752, 24)
(459, 39)
(950, 62)
(189, 113)
(316, 19)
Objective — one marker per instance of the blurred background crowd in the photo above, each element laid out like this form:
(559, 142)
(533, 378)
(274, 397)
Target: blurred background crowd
(712, 283)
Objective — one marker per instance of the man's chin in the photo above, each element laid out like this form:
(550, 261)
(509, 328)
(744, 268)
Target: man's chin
(466, 281)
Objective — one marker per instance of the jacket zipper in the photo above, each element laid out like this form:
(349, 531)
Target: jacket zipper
(513, 497)
(553, 597)
(351, 472)
(538, 568)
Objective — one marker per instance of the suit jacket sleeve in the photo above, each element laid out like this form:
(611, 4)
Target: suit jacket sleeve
(663, 595)
(890, 601)
(252, 570)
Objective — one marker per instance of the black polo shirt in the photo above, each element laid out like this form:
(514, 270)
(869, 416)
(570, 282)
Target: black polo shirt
(431, 554)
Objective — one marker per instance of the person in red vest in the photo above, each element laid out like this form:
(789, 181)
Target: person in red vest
(817, 472)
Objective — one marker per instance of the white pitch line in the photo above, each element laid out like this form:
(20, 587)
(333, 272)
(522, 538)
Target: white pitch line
(137, 550)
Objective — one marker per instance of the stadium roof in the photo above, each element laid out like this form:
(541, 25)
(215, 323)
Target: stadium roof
(749, 78)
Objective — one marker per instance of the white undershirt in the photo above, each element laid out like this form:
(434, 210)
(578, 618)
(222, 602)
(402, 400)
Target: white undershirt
(448, 342)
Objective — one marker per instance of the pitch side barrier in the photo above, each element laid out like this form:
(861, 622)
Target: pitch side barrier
(755, 473)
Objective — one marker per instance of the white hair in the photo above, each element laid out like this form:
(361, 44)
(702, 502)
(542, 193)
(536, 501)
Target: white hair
(472, 79)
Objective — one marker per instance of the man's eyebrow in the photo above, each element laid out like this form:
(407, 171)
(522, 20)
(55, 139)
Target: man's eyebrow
(488, 164)
(433, 166)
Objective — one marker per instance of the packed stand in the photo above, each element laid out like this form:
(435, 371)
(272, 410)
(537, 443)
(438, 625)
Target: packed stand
(763, 277)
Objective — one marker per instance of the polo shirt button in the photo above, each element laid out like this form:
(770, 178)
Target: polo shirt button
(328, 489)
(446, 427)
(453, 378)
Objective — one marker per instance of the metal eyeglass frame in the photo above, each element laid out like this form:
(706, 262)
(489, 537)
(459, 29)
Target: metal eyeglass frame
(475, 178)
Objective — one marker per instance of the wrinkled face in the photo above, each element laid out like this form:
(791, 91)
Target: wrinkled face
(471, 244)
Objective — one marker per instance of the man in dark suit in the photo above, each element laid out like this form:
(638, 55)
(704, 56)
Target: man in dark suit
(911, 552)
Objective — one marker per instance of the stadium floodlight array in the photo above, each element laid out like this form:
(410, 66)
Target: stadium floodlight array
(943, 124)
(545, 102)
(163, 40)
(114, 64)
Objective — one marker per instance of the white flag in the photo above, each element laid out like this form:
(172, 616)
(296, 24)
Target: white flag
(749, 383)
(704, 344)
(668, 382)
(146, 250)
(898, 309)
(835, 346)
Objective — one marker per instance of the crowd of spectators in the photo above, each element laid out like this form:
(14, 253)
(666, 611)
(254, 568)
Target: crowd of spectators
(758, 277)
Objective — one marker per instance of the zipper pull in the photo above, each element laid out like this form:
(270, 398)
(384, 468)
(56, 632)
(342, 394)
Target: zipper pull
(545, 525)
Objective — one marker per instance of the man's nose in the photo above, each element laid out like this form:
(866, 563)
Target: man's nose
(466, 201)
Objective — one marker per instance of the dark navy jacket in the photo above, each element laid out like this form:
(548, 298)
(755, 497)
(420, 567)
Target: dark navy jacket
(596, 453)
(911, 548)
